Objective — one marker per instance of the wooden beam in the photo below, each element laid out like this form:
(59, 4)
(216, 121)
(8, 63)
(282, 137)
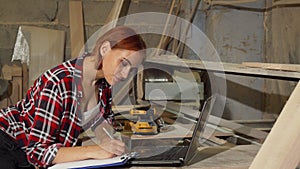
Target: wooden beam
(282, 146)
(222, 67)
(76, 28)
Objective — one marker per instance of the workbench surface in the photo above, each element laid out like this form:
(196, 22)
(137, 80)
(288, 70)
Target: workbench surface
(238, 157)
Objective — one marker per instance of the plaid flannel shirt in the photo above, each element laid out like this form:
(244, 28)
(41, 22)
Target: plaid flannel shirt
(49, 116)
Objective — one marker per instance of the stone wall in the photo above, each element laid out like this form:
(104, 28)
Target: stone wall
(54, 14)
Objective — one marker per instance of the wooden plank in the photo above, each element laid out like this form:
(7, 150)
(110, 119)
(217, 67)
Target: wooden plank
(274, 66)
(222, 67)
(191, 18)
(163, 38)
(76, 28)
(119, 9)
(282, 146)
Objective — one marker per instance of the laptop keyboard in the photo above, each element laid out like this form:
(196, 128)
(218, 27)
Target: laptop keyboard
(173, 153)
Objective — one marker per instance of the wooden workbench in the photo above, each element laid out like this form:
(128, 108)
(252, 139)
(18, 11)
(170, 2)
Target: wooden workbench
(238, 157)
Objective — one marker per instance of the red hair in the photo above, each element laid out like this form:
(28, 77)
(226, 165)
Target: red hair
(120, 37)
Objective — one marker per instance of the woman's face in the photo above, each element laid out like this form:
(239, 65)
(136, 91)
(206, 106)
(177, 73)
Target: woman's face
(118, 63)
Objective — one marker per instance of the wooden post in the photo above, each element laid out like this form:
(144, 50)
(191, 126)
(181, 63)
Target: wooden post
(282, 146)
(76, 28)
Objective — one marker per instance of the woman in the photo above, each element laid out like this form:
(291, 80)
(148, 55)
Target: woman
(46, 124)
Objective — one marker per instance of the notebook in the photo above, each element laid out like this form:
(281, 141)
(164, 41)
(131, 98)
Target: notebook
(183, 153)
(84, 164)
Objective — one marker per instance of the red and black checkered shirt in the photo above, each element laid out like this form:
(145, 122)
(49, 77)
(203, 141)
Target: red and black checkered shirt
(49, 116)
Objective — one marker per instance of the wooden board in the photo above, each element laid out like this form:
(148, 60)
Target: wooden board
(46, 50)
(119, 9)
(282, 146)
(222, 67)
(76, 28)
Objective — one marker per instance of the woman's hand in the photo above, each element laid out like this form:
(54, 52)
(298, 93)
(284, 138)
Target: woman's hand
(113, 146)
(106, 141)
(106, 150)
(67, 154)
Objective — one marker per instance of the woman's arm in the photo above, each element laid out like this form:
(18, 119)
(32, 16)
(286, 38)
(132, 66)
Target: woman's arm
(67, 154)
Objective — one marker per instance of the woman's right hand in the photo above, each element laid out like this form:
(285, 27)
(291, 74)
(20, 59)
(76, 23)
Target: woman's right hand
(105, 140)
(116, 147)
(107, 149)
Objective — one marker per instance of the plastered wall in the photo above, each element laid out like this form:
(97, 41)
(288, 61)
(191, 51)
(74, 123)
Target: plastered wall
(254, 31)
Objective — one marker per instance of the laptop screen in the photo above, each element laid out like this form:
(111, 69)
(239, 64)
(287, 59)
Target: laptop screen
(200, 126)
(150, 150)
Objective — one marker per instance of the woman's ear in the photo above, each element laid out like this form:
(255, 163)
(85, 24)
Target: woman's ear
(105, 48)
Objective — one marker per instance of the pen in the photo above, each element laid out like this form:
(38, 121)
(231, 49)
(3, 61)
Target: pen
(107, 133)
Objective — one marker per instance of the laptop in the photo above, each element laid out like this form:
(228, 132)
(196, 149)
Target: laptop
(179, 154)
